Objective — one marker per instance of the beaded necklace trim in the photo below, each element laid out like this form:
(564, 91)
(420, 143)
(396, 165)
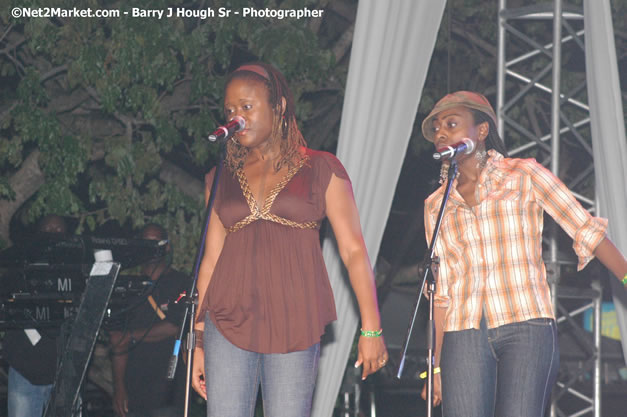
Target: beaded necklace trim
(257, 213)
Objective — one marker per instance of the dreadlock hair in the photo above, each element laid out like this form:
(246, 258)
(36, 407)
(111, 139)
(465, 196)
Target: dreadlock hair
(493, 140)
(284, 127)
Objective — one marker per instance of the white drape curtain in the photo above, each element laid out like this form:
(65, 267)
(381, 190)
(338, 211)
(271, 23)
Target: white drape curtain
(608, 135)
(392, 47)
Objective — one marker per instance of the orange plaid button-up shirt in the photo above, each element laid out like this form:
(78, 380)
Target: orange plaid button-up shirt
(491, 254)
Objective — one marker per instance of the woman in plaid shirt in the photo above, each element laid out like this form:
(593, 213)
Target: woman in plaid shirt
(495, 331)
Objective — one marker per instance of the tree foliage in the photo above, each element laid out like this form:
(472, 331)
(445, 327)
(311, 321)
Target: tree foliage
(116, 110)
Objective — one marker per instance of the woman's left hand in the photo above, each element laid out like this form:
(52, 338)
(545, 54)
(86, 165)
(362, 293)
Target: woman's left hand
(372, 355)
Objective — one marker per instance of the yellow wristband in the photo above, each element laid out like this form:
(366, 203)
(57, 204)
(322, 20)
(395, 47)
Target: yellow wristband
(625, 280)
(435, 371)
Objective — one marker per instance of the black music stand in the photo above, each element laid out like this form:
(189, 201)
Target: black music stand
(64, 399)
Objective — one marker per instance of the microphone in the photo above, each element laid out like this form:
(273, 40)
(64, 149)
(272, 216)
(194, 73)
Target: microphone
(224, 132)
(466, 146)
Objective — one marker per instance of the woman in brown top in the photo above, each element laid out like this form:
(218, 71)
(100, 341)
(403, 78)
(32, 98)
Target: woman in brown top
(264, 293)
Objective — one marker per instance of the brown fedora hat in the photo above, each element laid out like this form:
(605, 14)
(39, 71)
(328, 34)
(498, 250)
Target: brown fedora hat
(459, 98)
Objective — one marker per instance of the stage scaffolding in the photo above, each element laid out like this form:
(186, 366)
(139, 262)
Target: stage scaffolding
(547, 123)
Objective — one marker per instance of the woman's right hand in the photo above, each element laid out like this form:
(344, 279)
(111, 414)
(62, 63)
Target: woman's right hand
(437, 390)
(198, 373)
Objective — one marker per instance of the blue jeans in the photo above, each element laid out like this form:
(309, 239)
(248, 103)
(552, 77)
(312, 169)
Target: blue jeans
(233, 375)
(508, 371)
(24, 398)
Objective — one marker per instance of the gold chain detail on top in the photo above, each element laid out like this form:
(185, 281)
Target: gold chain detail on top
(264, 213)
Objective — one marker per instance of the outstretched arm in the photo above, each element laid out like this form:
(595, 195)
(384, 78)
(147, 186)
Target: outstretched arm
(610, 256)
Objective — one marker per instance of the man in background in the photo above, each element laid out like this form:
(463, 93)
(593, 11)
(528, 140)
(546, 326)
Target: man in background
(142, 348)
(32, 354)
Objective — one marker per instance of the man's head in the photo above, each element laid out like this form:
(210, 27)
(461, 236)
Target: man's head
(153, 231)
(52, 223)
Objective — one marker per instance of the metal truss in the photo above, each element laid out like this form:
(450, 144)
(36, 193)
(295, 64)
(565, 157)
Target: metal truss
(536, 52)
(580, 364)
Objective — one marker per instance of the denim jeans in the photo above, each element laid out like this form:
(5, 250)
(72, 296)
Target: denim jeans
(508, 371)
(24, 398)
(233, 376)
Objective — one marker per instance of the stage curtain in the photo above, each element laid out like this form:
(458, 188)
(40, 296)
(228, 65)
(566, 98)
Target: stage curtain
(608, 135)
(391, 50)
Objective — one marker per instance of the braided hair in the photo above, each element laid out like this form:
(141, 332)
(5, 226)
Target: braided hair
(493, 140)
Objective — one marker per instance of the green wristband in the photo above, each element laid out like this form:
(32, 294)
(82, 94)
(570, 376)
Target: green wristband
(625, 280)
(371, 333)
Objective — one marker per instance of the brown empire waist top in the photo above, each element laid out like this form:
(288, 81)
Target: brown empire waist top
(270, 292)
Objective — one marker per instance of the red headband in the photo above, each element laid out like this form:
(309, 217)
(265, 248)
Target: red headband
(257, 69)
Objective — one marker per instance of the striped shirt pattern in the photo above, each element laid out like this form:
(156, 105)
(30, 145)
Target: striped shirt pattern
(491, 254)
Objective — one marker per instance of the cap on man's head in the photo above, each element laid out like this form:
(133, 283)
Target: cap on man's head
(467, 99)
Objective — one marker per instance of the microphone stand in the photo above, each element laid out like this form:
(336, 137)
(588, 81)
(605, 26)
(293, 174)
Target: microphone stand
(428, 279)
(191, 299)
